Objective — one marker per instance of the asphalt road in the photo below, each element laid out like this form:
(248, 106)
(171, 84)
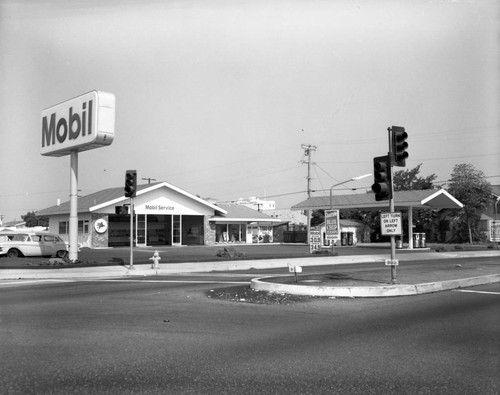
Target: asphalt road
(164, 335)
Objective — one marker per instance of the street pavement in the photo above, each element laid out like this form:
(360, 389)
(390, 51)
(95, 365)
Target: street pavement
(372, 283)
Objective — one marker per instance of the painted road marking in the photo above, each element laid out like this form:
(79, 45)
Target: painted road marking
(47, 281)
(43, 281)
(169, 281)
(477, 292)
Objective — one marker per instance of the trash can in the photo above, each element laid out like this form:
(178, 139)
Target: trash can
(416, 240)
(399, 243)
(350, 238)
(343, 238)
(422, 240)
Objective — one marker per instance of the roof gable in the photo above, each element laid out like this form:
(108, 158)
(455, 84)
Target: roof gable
(239, 212)
(431, 198)
(114, 196)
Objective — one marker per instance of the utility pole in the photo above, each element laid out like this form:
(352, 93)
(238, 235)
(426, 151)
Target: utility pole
(308, 150)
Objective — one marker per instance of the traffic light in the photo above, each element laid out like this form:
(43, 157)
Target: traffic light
(121, 210)
(382, 176)
(130, 183)
(399, 145)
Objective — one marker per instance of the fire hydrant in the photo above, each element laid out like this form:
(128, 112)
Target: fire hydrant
(156, 260)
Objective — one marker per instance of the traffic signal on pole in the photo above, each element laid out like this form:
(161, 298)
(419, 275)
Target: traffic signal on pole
(399, 145)
(130, 183)
(121, 210)
(382, 177)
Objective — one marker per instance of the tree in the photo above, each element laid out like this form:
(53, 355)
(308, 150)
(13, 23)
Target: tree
(317, 217)
(33, 220)
(470, 187)
(408, 180)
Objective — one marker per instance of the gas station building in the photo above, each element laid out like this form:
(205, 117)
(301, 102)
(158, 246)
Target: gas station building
(164, 215)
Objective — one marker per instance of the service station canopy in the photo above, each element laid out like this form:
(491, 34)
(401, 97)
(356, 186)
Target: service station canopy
(403, 200)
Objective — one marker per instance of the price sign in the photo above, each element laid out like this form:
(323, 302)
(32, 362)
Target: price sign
(495, 230)
(314, 240)
(332, 222)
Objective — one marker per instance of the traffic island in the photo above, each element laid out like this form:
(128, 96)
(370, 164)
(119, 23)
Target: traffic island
(326, 286)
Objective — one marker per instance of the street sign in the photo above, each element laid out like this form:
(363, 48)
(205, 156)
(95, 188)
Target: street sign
(314, 240)
(391, 262)
(391, 224)
(495, 230)
(332, 221)
(294, 269)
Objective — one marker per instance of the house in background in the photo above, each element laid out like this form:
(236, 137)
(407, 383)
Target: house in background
(291, 229)
(491, 212)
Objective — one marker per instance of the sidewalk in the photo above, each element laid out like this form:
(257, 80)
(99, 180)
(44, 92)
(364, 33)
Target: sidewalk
(370, 283)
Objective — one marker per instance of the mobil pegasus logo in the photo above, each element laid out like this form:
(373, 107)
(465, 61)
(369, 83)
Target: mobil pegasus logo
(79, 124)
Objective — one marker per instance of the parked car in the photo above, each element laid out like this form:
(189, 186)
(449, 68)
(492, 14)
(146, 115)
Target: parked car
(16, 244)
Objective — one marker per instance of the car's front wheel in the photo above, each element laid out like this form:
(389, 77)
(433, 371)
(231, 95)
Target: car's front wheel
(13, 253)
(62, 254)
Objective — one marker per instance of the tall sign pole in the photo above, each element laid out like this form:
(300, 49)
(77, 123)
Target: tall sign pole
(79, 124)
(73, 207)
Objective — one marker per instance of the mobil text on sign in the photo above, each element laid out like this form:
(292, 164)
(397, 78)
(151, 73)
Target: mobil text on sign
(391, 224)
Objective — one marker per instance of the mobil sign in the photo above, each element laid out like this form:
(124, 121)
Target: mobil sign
(79, 124)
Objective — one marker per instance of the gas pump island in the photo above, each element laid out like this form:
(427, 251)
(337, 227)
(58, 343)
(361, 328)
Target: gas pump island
(79, 124)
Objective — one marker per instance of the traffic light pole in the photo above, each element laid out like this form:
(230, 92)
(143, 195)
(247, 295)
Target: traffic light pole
(393, 239)
(131, 234)
(391, 209)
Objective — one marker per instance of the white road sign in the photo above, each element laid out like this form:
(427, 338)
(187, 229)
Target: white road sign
(495, 230)
(391, 224)
(332, 221)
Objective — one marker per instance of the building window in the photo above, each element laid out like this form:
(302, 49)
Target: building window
(63, 227)
(83, 227)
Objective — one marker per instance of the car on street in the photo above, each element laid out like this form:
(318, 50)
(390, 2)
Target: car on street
(16, 244)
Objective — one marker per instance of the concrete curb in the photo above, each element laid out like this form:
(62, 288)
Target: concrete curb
(260, 284)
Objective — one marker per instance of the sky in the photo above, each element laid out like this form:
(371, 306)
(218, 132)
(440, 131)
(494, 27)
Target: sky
(218, 97)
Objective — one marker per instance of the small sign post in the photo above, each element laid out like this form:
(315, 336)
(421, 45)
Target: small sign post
(314, 241)
(332, 222)
(295, 270)
(495, 231)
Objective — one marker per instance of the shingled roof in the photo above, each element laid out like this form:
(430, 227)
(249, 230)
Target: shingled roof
(242, 213)
(114, 196)
(428, 198)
